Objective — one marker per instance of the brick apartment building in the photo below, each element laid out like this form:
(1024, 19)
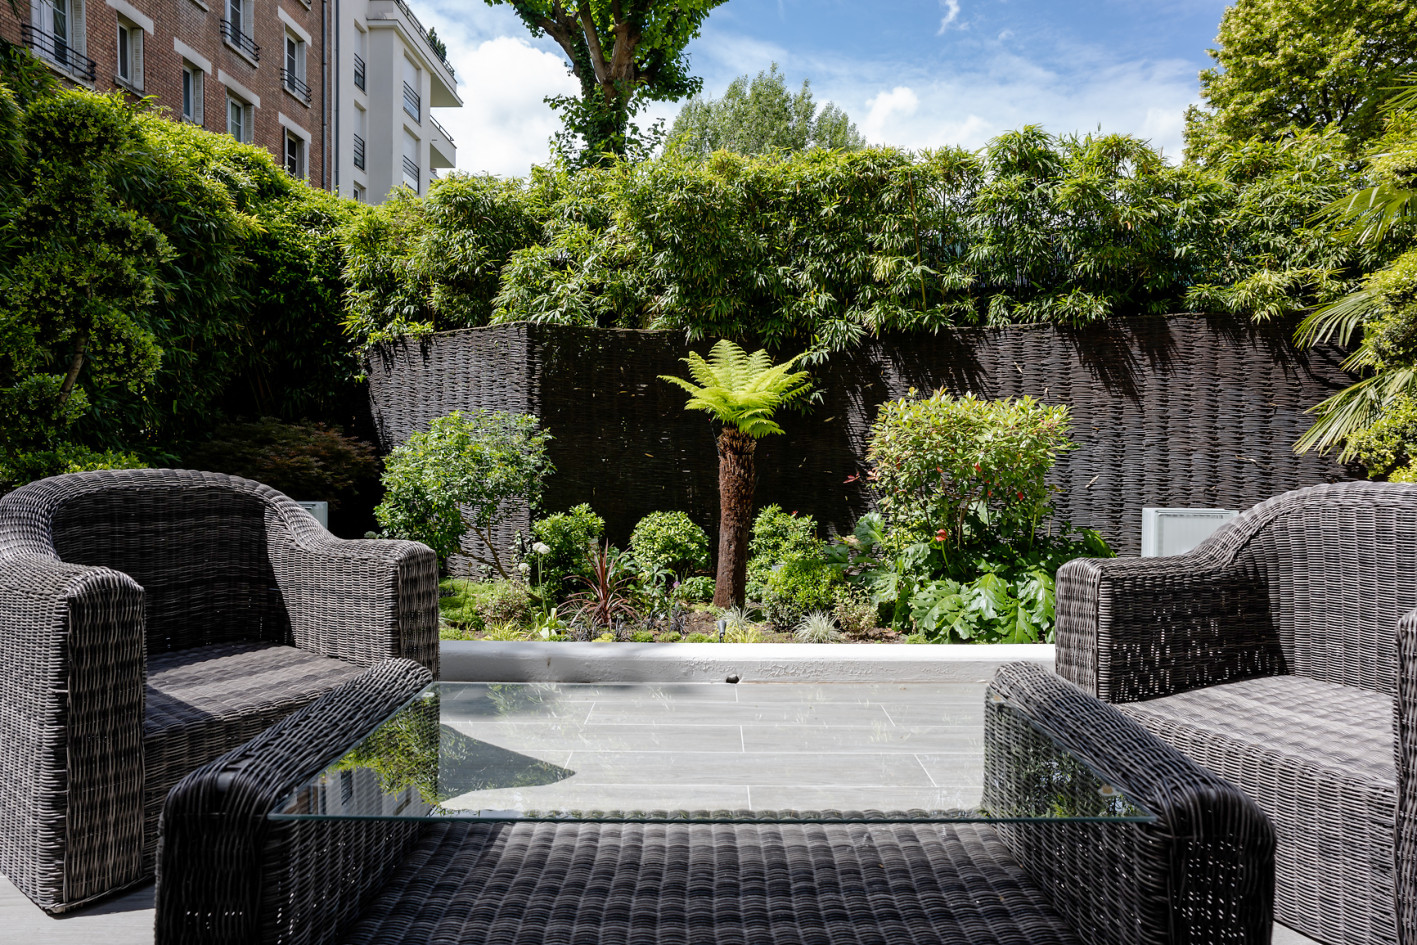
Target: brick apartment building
(339, 91)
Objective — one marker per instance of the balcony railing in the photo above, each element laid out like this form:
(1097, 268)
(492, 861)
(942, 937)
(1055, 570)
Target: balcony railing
(231, 32)
(441, 130)
(359, 72)
(412, 104)
(410, 170)
(440, 53)
(58, 51)
(295, 85)
(359, 152)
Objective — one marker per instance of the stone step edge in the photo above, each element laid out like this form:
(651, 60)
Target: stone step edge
(518, 661)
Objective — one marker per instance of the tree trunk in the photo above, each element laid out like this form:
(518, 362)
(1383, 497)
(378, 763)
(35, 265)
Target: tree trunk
(736, 479)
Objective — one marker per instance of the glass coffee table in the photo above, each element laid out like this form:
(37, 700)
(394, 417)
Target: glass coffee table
(697, 753)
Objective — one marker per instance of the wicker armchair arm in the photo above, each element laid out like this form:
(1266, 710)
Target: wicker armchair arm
(1139, 628)
(227, 874)
(1405, 747)
(73, 674)
(1202, 873)
(362, 601)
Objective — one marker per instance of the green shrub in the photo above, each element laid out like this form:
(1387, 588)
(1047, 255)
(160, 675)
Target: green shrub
(954, 469)
(695, 590)
(855, 614)
(778, 538)
(307, 461)
(480, 605)
(798, 587)
(642, 636)
(669, 541)
(459, 476)
(700, 638)
(569, 539)
(1388, 448)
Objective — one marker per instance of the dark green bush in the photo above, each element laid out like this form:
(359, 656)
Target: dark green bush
(308, 461)
(778, 538)
(695, 590)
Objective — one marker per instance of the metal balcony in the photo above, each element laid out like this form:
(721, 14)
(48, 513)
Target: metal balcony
(231, 32)
(359, 72)
(58, 51)
(412, 104)
(359, 152)
(295, 85)
(410, 171)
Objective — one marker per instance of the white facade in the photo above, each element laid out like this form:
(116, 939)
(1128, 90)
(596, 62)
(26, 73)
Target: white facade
(384, 122)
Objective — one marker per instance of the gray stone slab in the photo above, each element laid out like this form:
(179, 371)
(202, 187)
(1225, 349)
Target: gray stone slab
(629, 736)
(695, 767)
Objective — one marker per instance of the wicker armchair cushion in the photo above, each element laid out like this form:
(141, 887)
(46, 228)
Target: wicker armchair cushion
(529, 884)
(202, 701)
(1319, 756)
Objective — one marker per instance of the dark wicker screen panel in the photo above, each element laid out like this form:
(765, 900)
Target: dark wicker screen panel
(1186, 410)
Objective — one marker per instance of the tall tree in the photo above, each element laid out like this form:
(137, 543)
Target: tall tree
(741, 391)
(1297, 63)
(763, 116)
(625, 53)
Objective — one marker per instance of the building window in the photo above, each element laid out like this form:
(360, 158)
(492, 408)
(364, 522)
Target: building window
(359, 137)
(410, 160)
(238, 118)
(236, 28)
(130, 53)
(192, 88)
(412, 82)
(359, 67)
(359, 193)
(56, 32)
(292, 73)
(294, 154)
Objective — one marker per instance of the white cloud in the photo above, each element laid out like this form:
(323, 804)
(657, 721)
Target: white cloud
(884, 108)
(951, 8)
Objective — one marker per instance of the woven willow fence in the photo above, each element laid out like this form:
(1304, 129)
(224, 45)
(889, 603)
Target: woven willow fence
(1187, 410)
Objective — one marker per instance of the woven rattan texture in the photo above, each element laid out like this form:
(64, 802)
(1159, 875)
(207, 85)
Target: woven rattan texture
(1307, 588)
(1320, 756)
(1181, 411)
(1202, 874)
(1406, 756)
(75, 649)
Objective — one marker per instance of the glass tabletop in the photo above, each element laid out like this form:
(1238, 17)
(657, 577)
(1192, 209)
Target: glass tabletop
(709, 753)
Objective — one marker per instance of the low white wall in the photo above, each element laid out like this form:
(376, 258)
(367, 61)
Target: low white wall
(492, 661)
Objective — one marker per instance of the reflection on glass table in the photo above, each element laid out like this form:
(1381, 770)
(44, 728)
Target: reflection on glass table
(778, 753)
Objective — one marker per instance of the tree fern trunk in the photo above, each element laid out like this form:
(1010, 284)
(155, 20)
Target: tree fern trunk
(736, 478)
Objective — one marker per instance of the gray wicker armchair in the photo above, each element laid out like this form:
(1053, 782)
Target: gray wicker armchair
(151, 620)
(1269, 654)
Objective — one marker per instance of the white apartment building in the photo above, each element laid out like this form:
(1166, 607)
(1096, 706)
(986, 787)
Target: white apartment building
(386, 79)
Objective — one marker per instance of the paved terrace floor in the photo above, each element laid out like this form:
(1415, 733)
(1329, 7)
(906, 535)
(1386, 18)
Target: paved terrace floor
(916, 738)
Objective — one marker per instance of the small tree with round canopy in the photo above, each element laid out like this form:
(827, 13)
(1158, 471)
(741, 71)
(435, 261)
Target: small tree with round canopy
(741, 391)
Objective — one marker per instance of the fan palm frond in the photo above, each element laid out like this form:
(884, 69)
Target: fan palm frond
(1336, 321)
(1370, 214)
(1354, 408)
(741, 389)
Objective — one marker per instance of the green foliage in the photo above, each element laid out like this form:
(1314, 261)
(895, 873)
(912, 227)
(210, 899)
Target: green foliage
(854, 613)
(307, 461)
(1388, 448)
(762, 117)
(608, 592)
(1292, 64)
(952, 468)
(695, 590)
(778, 537)
(819, 249)
(670, 541)
(817, 627)
(459, 475)
(626, 53)
(739, 389)
(797, 587)
(482, 605)
(153, 277)
(569, 539)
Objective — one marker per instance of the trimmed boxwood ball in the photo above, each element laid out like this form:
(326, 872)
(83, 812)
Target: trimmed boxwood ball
(669, 541)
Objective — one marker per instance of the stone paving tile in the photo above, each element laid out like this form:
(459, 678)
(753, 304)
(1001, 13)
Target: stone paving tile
(647, 796)
(862, 693)
(693, 767)
(631, 736)
(812, 714)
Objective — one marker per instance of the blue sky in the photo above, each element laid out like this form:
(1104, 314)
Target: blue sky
(910, 73)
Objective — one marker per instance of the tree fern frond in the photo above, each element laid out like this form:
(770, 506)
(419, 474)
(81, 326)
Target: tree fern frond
(741, 389)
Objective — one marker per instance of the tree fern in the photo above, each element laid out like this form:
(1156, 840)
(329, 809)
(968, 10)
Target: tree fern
(740, 389)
